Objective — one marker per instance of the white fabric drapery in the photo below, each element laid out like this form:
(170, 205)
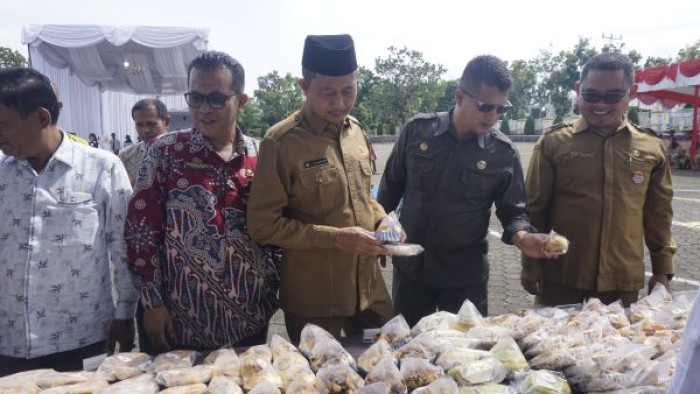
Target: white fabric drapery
(97, 88)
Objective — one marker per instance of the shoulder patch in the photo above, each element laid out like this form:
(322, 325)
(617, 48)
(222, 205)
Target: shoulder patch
(647, 130)
(431, 115)
(284, 126)
(558, 126)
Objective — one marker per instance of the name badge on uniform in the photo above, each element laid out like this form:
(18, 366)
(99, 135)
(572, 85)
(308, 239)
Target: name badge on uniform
(481, 164)
(316, 162)
(423, 146)
(638, 177)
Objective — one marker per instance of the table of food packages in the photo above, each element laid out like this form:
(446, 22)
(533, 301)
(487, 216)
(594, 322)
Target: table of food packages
(593, 348)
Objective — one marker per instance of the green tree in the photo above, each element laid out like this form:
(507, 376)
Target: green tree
(524, 90)
(277, 97)
(362, 110)
(11, 58)
(529, 126)
(690, 52)
(505, 125)
(633, 115)
(656, 61)
(251, 119)
(447, 100)
(565, 71)
(405, 84)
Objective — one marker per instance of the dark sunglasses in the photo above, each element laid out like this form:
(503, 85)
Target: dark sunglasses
(607, 98)
(486, 107)
(215, 100)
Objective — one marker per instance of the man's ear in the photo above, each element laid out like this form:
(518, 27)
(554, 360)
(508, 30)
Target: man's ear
(633, 91)
(44, 117)
(577, 87)
(459, 97)
(167, 120)
(242, 100)
(303, 85)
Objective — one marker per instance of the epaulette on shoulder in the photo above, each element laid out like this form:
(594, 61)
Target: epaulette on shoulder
(558, 126)
(423, 116)
(284, 126)
(647, 130)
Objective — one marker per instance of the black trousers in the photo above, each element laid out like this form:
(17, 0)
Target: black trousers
(68, 361)
(146, 346)
(414, 300)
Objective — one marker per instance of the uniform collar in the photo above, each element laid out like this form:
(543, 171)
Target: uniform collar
(63, 154)
(445, 124)
(581, 125)
(317, 123)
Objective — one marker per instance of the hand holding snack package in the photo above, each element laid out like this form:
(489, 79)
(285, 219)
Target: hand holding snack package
(390, 233)
(556, 244)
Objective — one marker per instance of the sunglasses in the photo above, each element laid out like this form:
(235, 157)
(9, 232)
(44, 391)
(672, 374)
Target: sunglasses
(607, 98)
(215, 100)
(486, 107)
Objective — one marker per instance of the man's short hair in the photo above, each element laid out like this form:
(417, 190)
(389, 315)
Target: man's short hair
(488, 70)
(144, 104)
(26, 90)
(610, 61)
(307, 74)
(212, 60)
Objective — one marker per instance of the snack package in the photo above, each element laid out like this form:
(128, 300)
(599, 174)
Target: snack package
(261, 352)
(418, 372)
(293, 367)
(281, 346)
(142, 384)
(387, 372)
(226, 364)
(389, 229)
(444, 385)
(199, 388)
(311, 334)
(489, 335)
(185, 376)
(413, 349)
(556, 244)
(85, 387)
(556, 359)
(488, 388)
(438, 320)
(301, 388)
(265, 388)
(374, 388)
(396, 331)
(22, 382)
(329, 351)
(469, 316)
(402, 249)
(481, 371)
(53, 379)
(375, 353)
(536, 382)
(223, 385)
(438, 341)
(459, 356)
(508, 353)
(253, 361)
(122, 366)
(338, 379)
(171, 360)
(257, 370)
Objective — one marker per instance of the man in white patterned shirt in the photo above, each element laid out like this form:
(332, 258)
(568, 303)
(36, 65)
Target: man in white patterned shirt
(62, 211)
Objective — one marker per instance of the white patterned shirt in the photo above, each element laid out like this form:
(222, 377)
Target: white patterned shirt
(60, 230)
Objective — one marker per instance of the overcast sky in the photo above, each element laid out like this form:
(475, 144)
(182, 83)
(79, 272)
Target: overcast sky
(268, 35)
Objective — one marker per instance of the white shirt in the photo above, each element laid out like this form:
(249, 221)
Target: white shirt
(59, 231)
(686, 378)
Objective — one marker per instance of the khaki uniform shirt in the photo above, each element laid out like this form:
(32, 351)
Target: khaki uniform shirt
(132, 157)
(313, 177)
(607, 195)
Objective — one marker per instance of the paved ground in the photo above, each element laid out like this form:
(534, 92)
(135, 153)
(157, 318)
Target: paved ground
(505, 292)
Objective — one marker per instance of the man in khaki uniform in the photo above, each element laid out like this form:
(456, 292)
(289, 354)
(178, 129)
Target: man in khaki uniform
(311, 196)
(605, 184)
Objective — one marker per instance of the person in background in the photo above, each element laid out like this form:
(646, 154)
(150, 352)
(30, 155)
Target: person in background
(66, 292)
(311, 196)
(204, 282)
(151, 120)
(605, 184)
(116, 145)
(127, 141)
(92, 140)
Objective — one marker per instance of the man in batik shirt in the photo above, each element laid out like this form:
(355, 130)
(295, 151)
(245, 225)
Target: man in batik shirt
(204, 283)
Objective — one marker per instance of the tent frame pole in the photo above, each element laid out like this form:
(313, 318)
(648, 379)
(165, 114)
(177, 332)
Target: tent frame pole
(694, 140)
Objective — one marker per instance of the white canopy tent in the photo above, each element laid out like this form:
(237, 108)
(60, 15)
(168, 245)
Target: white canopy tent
(101, 71)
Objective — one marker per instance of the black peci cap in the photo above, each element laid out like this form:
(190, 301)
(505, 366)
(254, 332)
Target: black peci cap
(329, 55)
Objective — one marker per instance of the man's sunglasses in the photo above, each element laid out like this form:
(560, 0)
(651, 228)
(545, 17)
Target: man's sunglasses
(486, 107)
(607, 98)
(215, 100)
